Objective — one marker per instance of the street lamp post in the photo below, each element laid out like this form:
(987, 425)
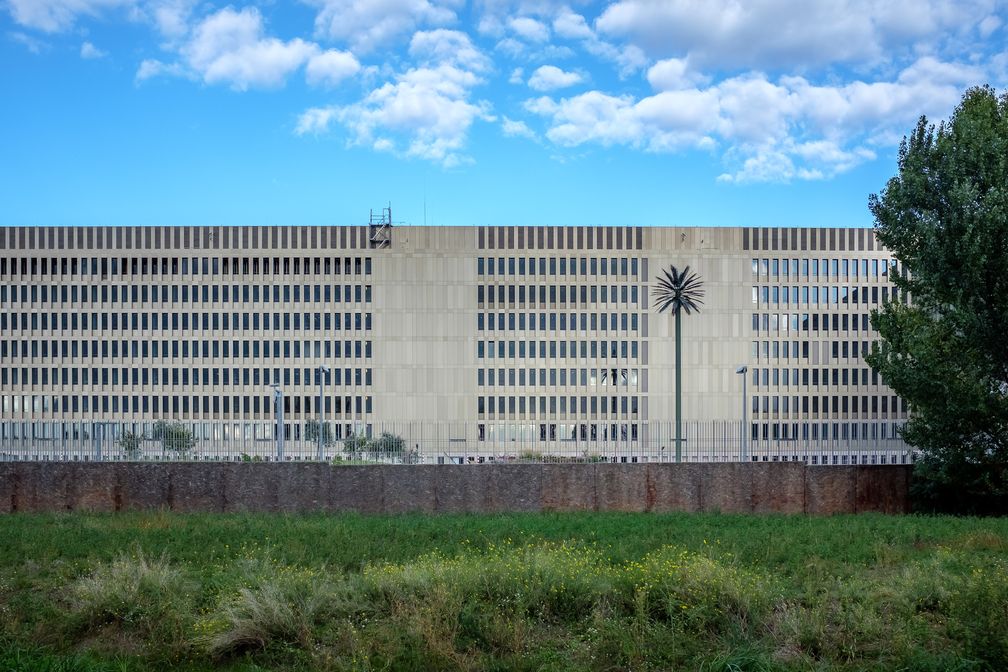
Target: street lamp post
(278, 411)
(742, 370)
(321, 415)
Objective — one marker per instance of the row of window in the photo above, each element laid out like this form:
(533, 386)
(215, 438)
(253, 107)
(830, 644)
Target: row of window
(552, 431)
(591, 431)
(626, 267)
(215, 349)
(810, 322)
(588, 294)
(553, 349)
(802, 349)
(86, 376)
(108, 267)
(825, 431)
(182, 294)
(198, 321)
(787, 377)
(834, 268)
(840, 404)
(811, 295)
(87, 431)
(615, 405)
(805, 321)
(553, 377)
(172, 405)
(558, 321)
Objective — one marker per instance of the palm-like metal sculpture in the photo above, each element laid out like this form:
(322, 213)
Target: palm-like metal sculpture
(682, 292)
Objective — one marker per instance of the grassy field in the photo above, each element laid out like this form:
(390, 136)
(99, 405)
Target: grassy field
(527, 592)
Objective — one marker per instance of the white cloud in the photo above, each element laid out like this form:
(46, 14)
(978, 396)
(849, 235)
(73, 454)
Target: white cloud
(529, 29)
(151, 67)
(315, 120)
(517, 76)
(571, 26)
(790, 129)
(331, 67)
(171, 16)
(90, 51)
(777, 34)
(32, 44)
(447, 46)
(673, 73)
(513, 128)
(373, 25)
(229, 47)
(989, 25)
(629, 58)
(57, 15)
(430, 106)
(550, 77)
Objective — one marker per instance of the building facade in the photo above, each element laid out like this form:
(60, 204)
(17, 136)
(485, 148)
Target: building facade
(476, 339)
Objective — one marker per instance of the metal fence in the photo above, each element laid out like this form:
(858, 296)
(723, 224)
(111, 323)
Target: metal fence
(814, 443)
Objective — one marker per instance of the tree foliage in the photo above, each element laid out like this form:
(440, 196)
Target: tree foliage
(173, 436)
(945, 218)
(129, 442)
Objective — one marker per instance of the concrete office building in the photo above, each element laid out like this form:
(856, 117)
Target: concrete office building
(498, 335)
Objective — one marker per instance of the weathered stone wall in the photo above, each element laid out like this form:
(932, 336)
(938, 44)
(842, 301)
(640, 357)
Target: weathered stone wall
(483, 488)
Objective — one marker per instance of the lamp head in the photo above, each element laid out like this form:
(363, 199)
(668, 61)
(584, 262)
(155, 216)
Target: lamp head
(742, 369)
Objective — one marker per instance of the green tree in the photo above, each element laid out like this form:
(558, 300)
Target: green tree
(173, 436)
(945, 218)
(390, 445)
(682, 292)
(129, 443)
(355, 445)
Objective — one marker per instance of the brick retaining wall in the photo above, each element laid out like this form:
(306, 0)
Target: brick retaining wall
(776, 487)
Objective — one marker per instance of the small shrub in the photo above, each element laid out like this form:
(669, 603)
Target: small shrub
(136, 594)
(281, 610)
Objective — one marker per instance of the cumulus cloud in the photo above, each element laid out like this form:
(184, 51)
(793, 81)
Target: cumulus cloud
(529, 29)
(151, 67)
(57, 15)
(771, 34)
(673, 73)
(374, 25)
(571, 26)
(513, 128)
(315, 120)
(32, 44)
(447, 46)
(89, 51)
(171, 17)
(229, 47)
(550, 77)
(429, 106)
(425, 111)
(331, 67)
(783, 130)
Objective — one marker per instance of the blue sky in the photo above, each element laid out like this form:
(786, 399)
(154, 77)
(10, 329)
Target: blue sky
(664, 112)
